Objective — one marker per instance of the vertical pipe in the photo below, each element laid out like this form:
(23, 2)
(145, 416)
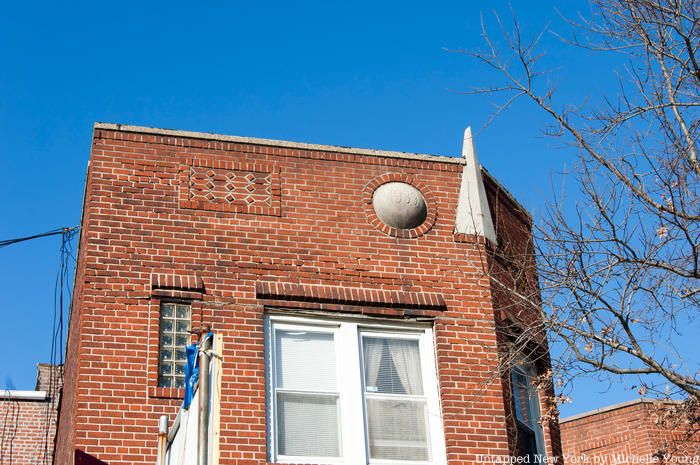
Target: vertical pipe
(162, 439)
(203, 442)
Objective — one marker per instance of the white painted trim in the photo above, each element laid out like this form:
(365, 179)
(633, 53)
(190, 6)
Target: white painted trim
(23, 395)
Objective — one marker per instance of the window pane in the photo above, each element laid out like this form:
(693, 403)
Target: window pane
(183, 311)
(305, 360)
(397, 429)
(166, 355)
(521, 397)
(307, 425)
(526, 443)
(174, 335)
(166, 311)
(392, 366)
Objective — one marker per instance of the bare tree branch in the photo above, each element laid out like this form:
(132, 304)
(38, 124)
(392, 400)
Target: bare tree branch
(618, 259)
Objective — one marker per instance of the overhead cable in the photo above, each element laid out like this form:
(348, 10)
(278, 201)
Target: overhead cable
(6, 242)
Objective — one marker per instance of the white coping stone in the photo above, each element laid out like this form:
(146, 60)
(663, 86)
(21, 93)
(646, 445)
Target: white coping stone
(609, 408)
(277, 143)
(22, 395)
(399, 205)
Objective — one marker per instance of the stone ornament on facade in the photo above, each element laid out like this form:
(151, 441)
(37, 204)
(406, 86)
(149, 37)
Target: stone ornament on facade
(399, 205)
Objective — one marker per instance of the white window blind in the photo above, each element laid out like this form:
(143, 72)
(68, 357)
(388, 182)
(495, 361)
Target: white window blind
(307, 394)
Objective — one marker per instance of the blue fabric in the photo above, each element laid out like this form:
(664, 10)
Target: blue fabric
(191, 374)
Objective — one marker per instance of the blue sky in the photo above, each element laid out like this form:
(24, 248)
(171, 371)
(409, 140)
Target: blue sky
(363, 74)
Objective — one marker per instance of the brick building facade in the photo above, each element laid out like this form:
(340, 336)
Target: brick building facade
(28, 420)
(284, 249)
(636, 430)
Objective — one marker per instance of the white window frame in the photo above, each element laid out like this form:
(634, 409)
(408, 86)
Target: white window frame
(527, 369)
(348, 334)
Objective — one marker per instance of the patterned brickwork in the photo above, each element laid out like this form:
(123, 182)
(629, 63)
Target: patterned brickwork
(218, 185)
(307, 231)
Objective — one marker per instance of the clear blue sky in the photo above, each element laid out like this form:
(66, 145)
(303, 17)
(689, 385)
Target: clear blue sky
(363, 74)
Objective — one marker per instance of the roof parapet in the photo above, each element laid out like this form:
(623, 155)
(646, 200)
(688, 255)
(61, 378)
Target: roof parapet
(276, 143)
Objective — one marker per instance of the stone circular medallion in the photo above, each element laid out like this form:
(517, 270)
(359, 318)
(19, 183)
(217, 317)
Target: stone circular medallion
(399, 205)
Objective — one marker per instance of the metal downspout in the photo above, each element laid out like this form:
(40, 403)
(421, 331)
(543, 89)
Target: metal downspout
(162, 439)
(204, 401)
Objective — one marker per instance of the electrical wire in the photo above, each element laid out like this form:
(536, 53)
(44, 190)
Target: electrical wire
(9, 429)
(55, 382)
(62, 298)
(7, 242)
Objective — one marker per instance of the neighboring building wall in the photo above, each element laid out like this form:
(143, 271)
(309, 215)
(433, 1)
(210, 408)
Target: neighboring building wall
(28, 426)
(304, 239)
(632, 429)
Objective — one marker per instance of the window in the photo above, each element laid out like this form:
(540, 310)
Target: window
(352, 392)
(529, 441)
(174, 335)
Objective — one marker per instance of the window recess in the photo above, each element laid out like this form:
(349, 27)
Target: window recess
(530, 439)
(173, 335)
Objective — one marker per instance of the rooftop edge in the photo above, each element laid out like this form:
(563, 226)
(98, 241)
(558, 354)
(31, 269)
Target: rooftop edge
(458, 160)
(610, 408)
(277, 143)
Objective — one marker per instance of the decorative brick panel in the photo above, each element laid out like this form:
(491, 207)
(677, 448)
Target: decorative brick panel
(229, 186)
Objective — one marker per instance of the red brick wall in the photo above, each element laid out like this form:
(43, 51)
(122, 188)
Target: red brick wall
(66, 420)
(28, 427)
(24, 439)
(631, 430)
(314, 232)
